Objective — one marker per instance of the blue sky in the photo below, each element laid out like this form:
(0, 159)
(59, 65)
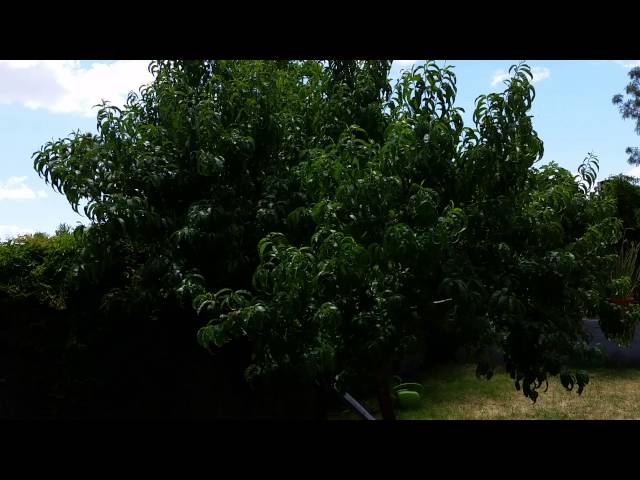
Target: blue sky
(45, 100)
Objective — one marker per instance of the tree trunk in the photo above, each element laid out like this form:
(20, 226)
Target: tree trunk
(384, 395)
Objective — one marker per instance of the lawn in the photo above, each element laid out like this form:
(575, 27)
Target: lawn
(454, 393)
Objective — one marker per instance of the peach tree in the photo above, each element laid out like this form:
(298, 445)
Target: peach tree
(367, 207)
(179, 185)
(432, 210)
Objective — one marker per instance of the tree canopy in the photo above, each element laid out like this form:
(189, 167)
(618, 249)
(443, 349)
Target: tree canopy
(313, 210)
(434, 210)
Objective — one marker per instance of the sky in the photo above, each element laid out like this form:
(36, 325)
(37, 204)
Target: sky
(43, 100)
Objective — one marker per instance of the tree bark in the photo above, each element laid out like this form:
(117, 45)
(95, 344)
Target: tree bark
(384, 395)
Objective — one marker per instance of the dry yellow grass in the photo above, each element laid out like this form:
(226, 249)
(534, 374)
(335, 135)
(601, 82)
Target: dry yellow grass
(610, 394)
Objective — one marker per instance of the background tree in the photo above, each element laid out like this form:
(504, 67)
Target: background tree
(37, 346)
(630, 108)
(626, 192)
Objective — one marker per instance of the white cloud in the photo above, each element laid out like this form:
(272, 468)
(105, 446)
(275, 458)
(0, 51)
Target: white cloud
(406, 63)
(64, 86)
(634, 172)
(539, 74)
(628, 63)
(12, 231)
(15, 189)
(499, 76)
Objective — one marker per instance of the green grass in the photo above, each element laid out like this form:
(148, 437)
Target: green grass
(454, 393)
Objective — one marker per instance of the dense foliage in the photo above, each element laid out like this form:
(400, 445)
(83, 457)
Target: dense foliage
(330, 223)
(619, 322)
(39, 268)
(626, 193)
(435, 210)
(183, 181)
(37, 281)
